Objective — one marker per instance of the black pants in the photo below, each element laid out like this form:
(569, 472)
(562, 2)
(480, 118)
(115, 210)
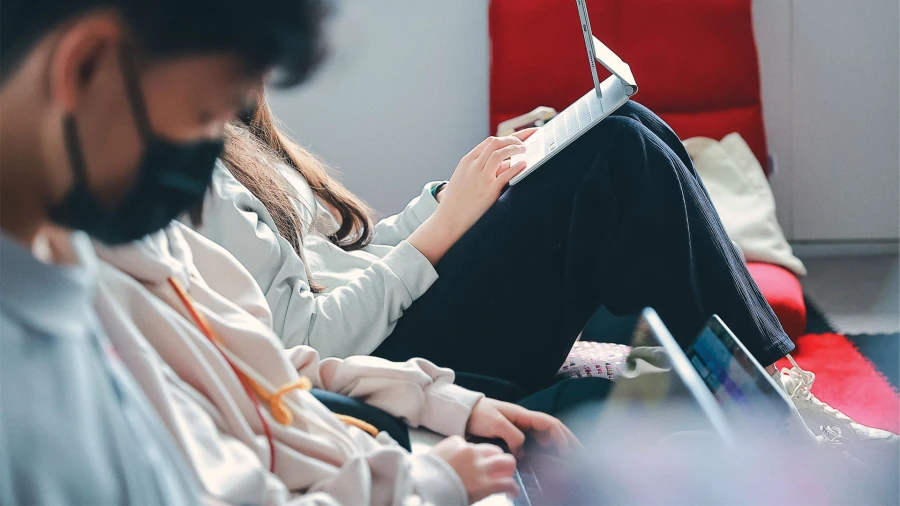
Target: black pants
(620, 219)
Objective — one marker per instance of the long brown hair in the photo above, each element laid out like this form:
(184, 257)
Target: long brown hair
(354, 215)
(255, 146)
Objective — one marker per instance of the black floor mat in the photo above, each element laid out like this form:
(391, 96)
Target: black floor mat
(883, 350)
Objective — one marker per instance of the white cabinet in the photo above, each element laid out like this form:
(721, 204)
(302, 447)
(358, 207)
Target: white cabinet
(831, 90)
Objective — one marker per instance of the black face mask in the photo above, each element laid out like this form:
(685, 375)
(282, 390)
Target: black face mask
(172, 178)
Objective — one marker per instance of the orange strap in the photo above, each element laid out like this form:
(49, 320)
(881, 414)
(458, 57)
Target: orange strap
(284, 416)
(216, 341)
(356, 422)
(280, 412)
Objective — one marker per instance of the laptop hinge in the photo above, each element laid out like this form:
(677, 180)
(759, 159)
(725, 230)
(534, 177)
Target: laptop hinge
(614, 64)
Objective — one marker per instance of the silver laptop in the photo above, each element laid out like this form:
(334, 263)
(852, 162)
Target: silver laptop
(744, 395)
(659, 379)
(715, 387)
(587, 111)
(747, 393)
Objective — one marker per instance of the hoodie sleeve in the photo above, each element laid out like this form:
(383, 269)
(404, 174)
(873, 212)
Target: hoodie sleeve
(394, 229)
(350, 320)
(419, 392)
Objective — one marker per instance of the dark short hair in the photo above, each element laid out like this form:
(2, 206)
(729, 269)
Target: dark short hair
(284, 35)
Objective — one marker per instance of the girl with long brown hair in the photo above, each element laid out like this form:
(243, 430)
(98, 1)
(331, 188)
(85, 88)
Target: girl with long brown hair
(481, 283)
(486, 278)
(335, 279)
(528, 270)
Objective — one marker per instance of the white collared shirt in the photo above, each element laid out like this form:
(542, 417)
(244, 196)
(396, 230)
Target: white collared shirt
(74, 428)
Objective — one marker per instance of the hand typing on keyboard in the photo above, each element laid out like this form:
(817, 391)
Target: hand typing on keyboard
(491, 418)
(483, 468)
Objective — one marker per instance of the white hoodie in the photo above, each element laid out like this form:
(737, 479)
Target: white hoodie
(213, 419)
(366, 291)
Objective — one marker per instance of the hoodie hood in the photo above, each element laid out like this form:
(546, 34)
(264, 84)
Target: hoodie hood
(154, 258)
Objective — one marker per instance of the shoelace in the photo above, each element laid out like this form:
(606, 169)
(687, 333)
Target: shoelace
(803, 381)
(273, 396)
(833, 435)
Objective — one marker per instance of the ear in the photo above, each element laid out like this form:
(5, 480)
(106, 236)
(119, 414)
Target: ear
(81, 48)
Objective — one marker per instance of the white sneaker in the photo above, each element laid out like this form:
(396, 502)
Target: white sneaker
(838, 429)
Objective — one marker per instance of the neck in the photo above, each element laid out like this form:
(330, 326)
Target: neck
(21, 227)
(23, 204)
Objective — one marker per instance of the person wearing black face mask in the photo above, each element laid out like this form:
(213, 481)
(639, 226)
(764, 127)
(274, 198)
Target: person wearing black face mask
(171, 177)
(113, 113)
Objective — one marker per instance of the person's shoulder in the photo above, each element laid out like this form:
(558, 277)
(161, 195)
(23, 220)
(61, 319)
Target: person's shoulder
(16, 344)
(205, 249)
(26, 353)
(229, 203)
(12, 332)
(226, 190)
(224, 183)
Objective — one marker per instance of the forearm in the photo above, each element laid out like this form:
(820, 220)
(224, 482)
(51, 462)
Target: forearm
(436, 236)
(418, 391)
(354, 318)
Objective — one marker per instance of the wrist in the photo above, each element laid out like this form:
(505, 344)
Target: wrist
(473, 415)
(435, 236)
(446, 225)
(437, 190)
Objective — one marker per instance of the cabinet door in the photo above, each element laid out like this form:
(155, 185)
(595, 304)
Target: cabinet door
(846, 124)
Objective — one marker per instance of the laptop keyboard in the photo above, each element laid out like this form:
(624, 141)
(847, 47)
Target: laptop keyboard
(530, 493)
(571, 121)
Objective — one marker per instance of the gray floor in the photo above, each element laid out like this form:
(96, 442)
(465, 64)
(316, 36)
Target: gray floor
(859, 294)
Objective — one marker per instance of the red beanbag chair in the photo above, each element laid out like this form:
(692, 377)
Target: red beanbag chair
(783, 292)
(695, 62)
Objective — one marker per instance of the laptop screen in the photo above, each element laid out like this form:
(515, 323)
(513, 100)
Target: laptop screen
(739, 384)
(730, 376)
(658, 378)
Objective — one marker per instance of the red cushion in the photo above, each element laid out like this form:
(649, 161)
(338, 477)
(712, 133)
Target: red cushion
(783, 291)
(695, 62)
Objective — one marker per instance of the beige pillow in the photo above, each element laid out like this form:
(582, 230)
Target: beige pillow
(741, 195)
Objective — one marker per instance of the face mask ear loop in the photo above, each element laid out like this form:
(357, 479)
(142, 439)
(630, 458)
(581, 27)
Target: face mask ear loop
(73, 148)
(133, 92)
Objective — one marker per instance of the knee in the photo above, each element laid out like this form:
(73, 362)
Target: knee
(636, 153)
(650, 120)
(626, 132)
(636, 110)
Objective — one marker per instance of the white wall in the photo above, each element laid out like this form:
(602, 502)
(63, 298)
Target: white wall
(404, 97)
(846, 126)
(830, 91)
(772, 27)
